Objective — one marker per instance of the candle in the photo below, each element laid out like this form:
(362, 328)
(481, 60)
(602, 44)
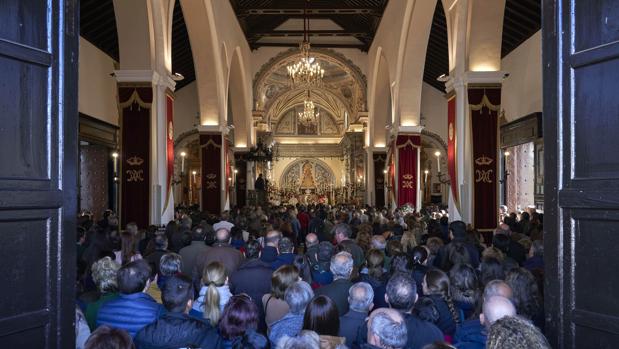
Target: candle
(438, 161)
(426, 175)
(115, 156)
(183, 154)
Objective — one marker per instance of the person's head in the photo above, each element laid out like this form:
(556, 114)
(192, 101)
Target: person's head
(214, 276)
(495, 308)
(490, 269)
(198, 233)
(342, 232)
(177, 294)
(286, 246)
(341, 265)
(375, 261)
(105, 337)
(161, 242)
(322, 317)
(170, 264)
(272, 238)
(222, 235)
(387, 329)
(436, 282)
(132, 228)
(401, 292)
(325, 251)
(498, 288)
(526, 295)
(464, 283)
(239, 316)
(393, 248)
(537, 249)
(515, 332)
(378, 242)
(134, 277)
(457, 230)
(304, 340)
(282, 278)
(127, 246)
(104, 274)
(297, 296)
(434, 244)
(438, 345)
(419, 254)
(311, 240)
(252, 249)
(401, 263)
(458, 254)
(361, 297)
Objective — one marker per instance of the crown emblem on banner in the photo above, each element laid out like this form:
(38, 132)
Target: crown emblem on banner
(211, 176)
(483, 160)
(135, 161)
(408, 176)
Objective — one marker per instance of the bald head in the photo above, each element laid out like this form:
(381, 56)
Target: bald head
(495, 308)
(223, 235)
(311, 240)
(272, 238)
(387, 329)
(498, 288)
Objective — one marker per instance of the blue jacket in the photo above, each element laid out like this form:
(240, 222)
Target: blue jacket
(290, 325)
(283, 259)
(130, 312)
(470, 335)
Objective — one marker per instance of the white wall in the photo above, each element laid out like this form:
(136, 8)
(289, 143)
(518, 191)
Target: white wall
(97, 95)
(521, 93)
(434, 110)
(186, 109)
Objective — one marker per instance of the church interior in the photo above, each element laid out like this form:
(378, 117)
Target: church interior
(381, 173)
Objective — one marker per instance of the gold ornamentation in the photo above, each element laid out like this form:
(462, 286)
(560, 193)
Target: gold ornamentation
(483, 176)
(135, 175)
(135, 161)
(211, 185)
(407, 183)
(483, 160)
(451, 131)
(211, 176)
(170, 131)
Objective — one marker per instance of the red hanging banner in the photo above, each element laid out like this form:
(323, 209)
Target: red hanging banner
(452, 168)
(407, 149)
(210, 145)
(485, 105)
(135, 108)
(170, 147)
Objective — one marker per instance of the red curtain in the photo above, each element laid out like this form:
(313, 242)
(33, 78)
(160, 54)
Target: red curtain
(210, 145)
(452, 168)
(407, 155)
(170, 146)
(485, 104)
(135, 104)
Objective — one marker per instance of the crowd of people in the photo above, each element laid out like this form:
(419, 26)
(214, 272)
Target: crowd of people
(310, 277)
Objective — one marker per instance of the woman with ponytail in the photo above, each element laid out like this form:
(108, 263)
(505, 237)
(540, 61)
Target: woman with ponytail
(214, 293)
(436, 288)
(419, 254)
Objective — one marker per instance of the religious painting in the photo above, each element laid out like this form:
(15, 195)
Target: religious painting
(436, 188)
(308, 178)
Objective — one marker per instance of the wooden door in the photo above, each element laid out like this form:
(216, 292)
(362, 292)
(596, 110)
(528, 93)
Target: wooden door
(38, 160)
(581, 124)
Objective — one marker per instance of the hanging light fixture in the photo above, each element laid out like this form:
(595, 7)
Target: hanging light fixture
(306, 70)
(309, 116)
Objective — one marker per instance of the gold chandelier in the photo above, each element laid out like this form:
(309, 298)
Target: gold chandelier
(309, 116)
(306, 71)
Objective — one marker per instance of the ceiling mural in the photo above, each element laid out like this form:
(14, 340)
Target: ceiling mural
(287, 124)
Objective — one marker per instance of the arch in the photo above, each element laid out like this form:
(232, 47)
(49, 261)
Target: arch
(435, 139)
(239, 100)
(315, 162)
(382, 100)
(411, 60)
(139, 25)
(208, 60)
(358, 99)
(322, 97)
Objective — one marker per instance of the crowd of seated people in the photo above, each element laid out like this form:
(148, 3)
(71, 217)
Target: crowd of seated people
(316, 277)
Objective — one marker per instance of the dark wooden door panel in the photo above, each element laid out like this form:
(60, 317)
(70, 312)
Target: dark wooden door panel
(581, 124)
(38, 159)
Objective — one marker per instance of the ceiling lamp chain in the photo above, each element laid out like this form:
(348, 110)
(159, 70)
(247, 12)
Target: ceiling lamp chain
(307, 70)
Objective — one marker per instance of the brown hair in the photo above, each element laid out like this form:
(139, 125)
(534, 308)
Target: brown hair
(322, 317)
(437, 283)
(375, 262)
(127, 247)
(106, 337)
(283, 277)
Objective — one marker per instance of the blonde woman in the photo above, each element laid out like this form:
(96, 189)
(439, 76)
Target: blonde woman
(214, 293)
(408, 241)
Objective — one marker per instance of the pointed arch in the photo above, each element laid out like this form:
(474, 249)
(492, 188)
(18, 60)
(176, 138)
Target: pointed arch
(381, 113)
(239, 100)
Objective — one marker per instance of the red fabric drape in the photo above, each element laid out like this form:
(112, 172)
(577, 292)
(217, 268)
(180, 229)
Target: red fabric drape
(169, 146)
(211, 172)
(407, 155)
(485, 105)
(452, 149)
(134, 172)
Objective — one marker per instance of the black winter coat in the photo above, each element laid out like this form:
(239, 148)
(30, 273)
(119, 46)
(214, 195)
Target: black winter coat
(171, 331)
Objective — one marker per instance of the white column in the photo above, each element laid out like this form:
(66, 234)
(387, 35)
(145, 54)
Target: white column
(368, 180)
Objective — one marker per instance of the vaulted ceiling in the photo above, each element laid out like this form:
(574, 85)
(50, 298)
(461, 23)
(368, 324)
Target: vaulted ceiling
(334, 23)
